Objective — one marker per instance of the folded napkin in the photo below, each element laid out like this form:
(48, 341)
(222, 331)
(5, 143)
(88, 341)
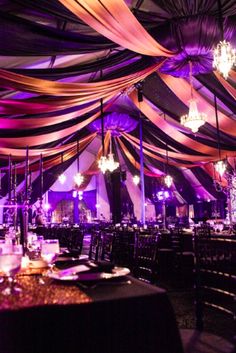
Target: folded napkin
(87, 267)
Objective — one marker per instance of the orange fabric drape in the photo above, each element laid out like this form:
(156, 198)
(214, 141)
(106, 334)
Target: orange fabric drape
(176, 155)
(87, 91)
(134, 162)
(181, 89)
(69, 151)
(226, 85)
(149, 111)
(114, 20)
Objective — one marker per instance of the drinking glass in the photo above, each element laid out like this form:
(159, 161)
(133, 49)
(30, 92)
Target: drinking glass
(50, 249)
(10, 264)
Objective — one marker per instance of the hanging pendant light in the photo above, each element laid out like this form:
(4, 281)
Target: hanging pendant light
(220, 165)
(102, 163)
(111, 164)
(62, 177)
(224, 56)
(78, 178)
(136, 179)
(168, 180)
(193, 120)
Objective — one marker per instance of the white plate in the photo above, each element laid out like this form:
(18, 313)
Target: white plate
(96, 276)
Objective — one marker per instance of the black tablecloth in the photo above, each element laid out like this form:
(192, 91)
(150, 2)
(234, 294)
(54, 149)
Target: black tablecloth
(125, 318)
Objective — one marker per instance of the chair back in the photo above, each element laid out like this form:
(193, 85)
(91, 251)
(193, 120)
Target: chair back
(215, 276)
(145, 258)
(95, 245)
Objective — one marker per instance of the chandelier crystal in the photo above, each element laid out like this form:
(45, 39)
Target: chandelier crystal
(136, 179)
(220, 167)
(108, 163)
(78, 178)
(224, 58)
(62, 178)
(193, 120)
(102, 164)
(168, 180)
(111, 164)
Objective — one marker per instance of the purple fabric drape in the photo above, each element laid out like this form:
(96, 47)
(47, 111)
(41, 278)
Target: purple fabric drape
(43, 40)
(195, 39)
(116, 123)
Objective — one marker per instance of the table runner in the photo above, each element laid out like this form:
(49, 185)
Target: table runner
(36, 294)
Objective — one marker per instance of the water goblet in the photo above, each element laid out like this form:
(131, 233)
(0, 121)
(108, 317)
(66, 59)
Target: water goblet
(49, 250)
(10, 264)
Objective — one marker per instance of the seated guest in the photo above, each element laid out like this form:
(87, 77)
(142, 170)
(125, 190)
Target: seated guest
(65, 219)
(39, 218)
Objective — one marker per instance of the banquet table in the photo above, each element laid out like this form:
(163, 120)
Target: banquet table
(125, 316)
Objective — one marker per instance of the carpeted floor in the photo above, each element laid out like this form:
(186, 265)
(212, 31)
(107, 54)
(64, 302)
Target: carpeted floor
(182, 300)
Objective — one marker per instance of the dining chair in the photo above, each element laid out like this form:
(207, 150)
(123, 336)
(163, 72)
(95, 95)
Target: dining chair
(107, 246)
(95, 245)
(215, 289)
(145, 258)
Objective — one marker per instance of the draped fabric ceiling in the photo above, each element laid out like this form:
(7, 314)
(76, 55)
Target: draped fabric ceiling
(60, 58)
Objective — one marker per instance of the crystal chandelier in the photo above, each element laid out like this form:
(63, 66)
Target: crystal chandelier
(110, 162)
(102, 164)
(106, 163)
(136, 179)
(193, 120)
(224, 58)
(78, 178)
(62, 178)
(220, 167)
(168, 180)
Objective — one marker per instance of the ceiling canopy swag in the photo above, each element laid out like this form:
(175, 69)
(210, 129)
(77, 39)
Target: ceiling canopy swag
(50, 87)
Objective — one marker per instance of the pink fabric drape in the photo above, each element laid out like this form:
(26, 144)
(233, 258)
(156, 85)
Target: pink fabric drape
(15, 142)
(39, 104)
(34, 123)
(181, 89)
(17, 153)
(114, 20)
(69, 151)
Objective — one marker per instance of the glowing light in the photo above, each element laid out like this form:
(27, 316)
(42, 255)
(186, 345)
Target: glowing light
(78, 178)
(193, 120)
(224, 58)
(168, 180)
(136, 179)
(220, 167)
(62, 178)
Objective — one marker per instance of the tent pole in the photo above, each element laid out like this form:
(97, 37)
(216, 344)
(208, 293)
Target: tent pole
(142, 172)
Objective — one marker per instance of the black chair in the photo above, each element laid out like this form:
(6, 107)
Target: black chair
(215, 278)
(123, 248)
(145, 258)
(107, 246)
(95, 245)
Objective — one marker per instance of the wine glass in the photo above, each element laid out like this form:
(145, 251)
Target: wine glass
(10, 264)
(49, 250)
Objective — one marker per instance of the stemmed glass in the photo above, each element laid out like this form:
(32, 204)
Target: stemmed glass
(49, 250)
(10, 264)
